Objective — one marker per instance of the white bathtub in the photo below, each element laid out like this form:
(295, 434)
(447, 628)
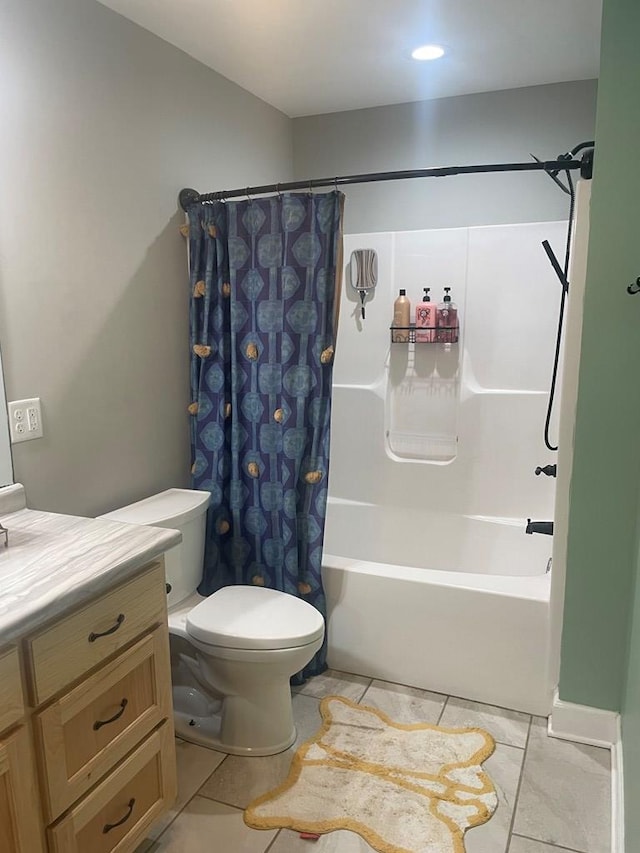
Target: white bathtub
(475, 627)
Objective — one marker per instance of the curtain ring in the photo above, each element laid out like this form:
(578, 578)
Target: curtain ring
(249, 197)
(278, 190)
(310, 187)
(335, 183)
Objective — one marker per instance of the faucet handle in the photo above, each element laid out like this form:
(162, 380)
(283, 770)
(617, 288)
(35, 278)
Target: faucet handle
(548, 470)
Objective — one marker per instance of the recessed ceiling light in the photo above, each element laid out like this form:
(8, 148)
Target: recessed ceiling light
(428, 51)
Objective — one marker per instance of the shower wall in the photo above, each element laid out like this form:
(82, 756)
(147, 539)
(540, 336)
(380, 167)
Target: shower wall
(429, 432)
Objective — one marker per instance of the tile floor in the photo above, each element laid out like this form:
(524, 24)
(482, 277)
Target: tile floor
(554, 796)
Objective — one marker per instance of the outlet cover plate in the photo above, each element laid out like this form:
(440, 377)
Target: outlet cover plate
(25, 419)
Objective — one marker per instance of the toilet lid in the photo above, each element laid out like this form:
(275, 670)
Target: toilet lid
(253, 617)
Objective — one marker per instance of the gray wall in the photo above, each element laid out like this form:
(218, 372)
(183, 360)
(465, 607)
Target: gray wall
(102, 124)
(486, 128)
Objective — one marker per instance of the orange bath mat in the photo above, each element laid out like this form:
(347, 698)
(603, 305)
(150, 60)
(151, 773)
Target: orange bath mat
(403, 788)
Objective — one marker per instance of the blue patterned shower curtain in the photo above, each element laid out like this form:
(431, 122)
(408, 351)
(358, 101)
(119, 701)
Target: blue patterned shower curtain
(265, 277)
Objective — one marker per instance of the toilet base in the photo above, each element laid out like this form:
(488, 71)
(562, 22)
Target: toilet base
(197, 719)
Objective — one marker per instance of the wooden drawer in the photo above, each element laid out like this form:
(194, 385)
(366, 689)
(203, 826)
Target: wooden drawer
(114, 817)
(85, 733)
(11, 699)
(64, 652)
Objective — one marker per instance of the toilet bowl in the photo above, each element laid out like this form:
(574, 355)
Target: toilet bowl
(248, 642)
(233, 652)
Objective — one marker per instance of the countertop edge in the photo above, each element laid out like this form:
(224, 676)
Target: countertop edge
(89, 588)
(37, 606)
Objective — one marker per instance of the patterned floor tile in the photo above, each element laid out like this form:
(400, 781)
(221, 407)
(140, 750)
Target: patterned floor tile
(504, 767)
(204, 826)
(404, 704)
(195, 765)
(565, 798)
(508, 727)
(334, 683)
(526, 845)
(564, 802)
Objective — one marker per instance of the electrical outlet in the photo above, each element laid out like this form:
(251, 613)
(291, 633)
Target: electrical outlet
(25, 419)
(33, 418)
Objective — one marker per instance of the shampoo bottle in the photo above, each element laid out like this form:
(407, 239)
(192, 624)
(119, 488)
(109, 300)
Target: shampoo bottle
(447, 320)
(401, 318)
(425, 319)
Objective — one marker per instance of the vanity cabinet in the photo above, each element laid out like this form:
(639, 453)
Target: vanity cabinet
(88, 759)
(115, 815)
(11, 699)
(65, 651)
(85, 732)
(20, 822)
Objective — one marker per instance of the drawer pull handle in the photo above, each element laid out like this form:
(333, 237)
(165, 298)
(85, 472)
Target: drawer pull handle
(100, 723)
(93, 637)
(109, 826)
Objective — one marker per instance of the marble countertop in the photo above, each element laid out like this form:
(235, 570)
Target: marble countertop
(55, 562)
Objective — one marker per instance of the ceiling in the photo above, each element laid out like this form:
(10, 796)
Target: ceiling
(317, 56)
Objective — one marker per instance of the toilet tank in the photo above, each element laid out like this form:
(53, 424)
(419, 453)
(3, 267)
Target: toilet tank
(179, 509)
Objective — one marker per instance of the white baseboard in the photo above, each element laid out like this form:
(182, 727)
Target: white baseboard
(594, 726)
(583, 724)
(617, 795)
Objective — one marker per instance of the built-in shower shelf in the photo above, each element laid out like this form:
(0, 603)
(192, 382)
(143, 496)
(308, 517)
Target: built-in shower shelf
(441, 334)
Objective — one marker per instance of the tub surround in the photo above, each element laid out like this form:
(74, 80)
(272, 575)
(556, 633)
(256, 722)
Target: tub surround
(429, 577)
(55, 562)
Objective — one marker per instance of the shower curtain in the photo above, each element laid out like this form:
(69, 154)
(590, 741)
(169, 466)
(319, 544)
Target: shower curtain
(265, 278)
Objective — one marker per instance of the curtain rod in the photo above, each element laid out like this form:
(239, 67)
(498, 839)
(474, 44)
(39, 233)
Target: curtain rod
(188, 196)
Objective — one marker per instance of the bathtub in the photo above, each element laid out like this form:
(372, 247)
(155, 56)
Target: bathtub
(477, 626)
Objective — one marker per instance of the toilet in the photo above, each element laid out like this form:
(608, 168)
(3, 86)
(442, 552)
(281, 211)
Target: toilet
(232, 653)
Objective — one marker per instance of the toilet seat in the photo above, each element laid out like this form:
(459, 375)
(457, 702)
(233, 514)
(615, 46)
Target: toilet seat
(254, 618)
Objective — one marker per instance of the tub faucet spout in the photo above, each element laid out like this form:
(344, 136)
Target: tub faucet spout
(545, 527)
